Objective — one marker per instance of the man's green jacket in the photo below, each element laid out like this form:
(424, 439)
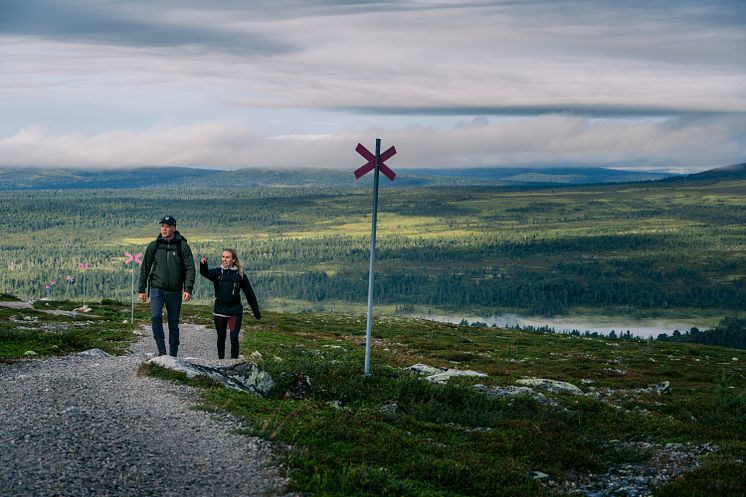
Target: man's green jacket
(168, 265)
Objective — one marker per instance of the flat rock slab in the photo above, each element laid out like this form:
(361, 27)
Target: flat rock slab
(553, 386)
(22, 304)
(17, 304)
(440, 375)
(85, 425)
(246, 377)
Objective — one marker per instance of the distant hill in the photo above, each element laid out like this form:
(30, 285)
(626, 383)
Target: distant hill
(259, 177)
(539, 176)
(63, 179)
(183, 177)
(736, 171)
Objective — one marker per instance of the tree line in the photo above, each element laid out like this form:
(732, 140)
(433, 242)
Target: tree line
(458, 248)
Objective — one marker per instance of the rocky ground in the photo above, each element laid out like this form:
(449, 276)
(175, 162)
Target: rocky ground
(85, 425)
(635, 480)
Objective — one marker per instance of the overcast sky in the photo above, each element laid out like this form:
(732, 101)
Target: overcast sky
(230, 83)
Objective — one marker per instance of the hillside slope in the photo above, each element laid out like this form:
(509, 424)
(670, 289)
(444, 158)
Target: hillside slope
(732, 172)
(184, 177)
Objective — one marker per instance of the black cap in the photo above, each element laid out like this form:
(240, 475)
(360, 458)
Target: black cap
(168, 220)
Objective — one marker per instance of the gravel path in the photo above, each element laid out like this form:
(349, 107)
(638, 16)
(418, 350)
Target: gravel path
(76, 425)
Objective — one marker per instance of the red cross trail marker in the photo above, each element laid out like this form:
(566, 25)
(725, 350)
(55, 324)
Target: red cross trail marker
(363, 170)
(375, 163)
(129, 258)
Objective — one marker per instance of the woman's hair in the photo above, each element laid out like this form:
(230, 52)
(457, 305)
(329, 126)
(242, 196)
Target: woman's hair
(236, 262)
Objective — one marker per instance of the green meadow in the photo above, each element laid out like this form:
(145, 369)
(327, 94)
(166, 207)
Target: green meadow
(395, 434)
(51, 328)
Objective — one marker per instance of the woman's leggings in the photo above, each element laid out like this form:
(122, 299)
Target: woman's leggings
(221, 325)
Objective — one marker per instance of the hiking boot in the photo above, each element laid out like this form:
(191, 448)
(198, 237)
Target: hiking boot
(161, 352)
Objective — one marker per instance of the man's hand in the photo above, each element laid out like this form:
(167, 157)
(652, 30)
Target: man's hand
(203, 260)
(186, 296)
(142, 297)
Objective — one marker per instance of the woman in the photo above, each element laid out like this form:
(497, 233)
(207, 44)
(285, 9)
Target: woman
(229, 279)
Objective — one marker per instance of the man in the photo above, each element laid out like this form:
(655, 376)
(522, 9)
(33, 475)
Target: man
(168, 270)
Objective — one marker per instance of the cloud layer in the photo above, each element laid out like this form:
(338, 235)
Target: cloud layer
(544, 140)
(296, 83)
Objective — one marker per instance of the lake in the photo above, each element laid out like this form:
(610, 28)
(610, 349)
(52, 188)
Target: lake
(602, 324)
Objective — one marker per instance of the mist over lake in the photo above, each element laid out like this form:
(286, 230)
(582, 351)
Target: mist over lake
(645, 328)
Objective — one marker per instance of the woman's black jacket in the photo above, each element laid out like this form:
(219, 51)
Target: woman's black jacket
(228, 285)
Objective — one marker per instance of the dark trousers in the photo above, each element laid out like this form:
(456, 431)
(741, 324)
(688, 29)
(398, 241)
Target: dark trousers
(221, 325)
(158, 297)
